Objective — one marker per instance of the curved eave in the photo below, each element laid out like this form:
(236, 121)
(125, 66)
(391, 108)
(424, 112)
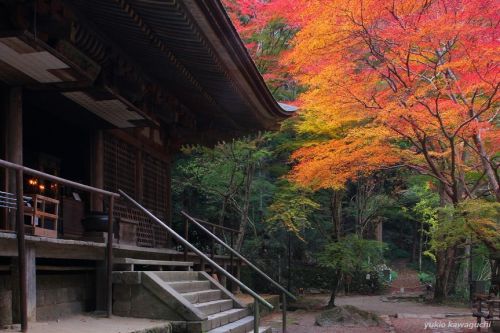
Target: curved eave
(191, 48)
(221, 32)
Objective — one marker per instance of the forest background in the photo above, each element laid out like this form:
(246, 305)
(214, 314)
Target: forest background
(392, 157)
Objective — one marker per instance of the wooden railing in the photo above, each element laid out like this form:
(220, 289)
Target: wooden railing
(257, 298)
(21, 242)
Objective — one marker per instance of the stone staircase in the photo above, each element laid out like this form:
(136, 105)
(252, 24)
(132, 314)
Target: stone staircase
(193, 301)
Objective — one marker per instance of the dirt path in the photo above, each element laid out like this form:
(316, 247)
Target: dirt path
(400, 316)
(376, 305)
(407, 278)
(413, 317)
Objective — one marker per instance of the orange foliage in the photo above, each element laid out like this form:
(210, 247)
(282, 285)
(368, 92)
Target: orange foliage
(401, 81)
(331, 164)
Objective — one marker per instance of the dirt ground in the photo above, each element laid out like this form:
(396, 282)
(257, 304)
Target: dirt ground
(401, 317)
(90, 324)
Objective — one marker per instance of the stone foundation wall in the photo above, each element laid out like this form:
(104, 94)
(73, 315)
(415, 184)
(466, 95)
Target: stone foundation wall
(63, 294)
(137, 301)
(5, 299)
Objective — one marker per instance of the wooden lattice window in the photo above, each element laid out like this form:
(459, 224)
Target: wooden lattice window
(121, 172)
(149, 234)
(155, 184)
(119, 165)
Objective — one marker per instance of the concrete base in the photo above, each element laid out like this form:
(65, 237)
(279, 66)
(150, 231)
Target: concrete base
(92, 324)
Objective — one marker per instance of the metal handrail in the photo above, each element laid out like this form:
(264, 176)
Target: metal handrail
(56, 179)
(236, 253)
(217, 226)
(198, 252)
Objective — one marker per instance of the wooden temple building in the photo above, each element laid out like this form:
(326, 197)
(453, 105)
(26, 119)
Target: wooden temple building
(97, 96)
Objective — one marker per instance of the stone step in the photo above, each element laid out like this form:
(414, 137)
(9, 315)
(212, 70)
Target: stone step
(176, 276)
(262, 330)
(212, 307)
(243, 325)
(129, 264)
(189, 286)
(225, 317)
(203, 295)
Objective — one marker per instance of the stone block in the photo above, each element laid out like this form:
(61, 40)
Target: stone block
(146, 305)
(121, 308)
(212, 307)
(165, 328)
(170, 298)
(40, 297)
(74, 294)
(62, 295)
(57, 311)
(178, 276)
(189, 286)
(122, 292)
(5, 307)
(50, 296)
(127, 277)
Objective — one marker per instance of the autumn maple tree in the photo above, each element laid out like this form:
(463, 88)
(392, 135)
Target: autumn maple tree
(266, 37)
(400, 83)
(396, 83)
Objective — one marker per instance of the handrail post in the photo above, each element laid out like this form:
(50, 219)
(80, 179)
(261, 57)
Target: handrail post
(21, 252)
(202, 264)
(231, 270)
(284, 312)
(196, 250)
(186, 237)
(256, 316)
(238, 255)
(109, 278)
(212, 250)
(238, 273)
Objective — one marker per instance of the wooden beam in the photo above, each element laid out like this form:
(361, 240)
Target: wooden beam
(22, 257)
(13, 109)
(109, 259)
(3, 151)
(97, 170)
(64, 268)
(168, 197)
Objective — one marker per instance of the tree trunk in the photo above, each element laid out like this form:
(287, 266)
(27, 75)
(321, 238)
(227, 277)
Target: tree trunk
(485, 161)
(445, 264)
(336, 211)
(245, 207)
(420, 247)
(335, 286)
(415, 242)
(467, 268)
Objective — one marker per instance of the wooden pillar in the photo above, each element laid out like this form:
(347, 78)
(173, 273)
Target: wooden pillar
(168, 196)
(97, 170)
(100, 286)
(13, 121)
(3, 149)
(109, 259)
(30, 256)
